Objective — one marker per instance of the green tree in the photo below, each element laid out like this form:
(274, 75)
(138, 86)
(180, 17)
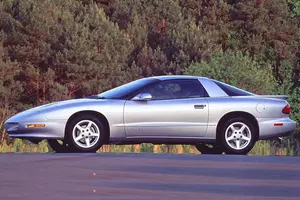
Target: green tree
(63, 49)
(10, 89)
(66, 48)
(238, 69)
(265, 29)
(163, 28)
(289, 87)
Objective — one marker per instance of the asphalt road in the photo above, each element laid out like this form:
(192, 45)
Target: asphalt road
(147, 176)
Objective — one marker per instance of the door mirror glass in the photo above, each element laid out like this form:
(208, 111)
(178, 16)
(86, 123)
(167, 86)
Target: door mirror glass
(143, 97)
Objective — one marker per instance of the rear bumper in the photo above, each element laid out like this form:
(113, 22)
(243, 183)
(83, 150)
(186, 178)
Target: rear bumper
(273, 128)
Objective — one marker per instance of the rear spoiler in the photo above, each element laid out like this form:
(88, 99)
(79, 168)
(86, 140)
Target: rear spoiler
(283, 97)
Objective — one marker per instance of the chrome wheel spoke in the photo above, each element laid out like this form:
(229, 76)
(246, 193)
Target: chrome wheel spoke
(242, 128)
(238, 144)
(232, 128)
(79, 127)
(89, 125)
(87, 141)
(94, 134)
(246, 138)
(79, 137)
(230, 138)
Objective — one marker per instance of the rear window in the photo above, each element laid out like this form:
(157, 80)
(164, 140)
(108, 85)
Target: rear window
(232, 91)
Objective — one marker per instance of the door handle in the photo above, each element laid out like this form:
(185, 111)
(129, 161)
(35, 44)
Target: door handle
(199, 106)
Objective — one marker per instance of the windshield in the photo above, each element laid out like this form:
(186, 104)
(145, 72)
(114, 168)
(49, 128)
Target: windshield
(126, 90)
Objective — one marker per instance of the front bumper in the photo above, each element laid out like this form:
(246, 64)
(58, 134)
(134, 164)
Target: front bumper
(55, 129)
(272, 128)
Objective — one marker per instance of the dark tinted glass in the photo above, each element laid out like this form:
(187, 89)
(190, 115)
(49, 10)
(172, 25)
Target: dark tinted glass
(232, 91)
(124, 91)
(176, 89)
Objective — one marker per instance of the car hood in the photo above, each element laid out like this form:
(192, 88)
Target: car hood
(70, 102)
(39, 110)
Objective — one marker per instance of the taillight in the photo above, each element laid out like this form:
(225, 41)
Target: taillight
(286, 109)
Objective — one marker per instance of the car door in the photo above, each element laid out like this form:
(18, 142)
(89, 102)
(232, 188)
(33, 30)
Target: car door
(177, 108)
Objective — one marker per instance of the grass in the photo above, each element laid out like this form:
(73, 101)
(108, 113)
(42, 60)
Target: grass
(261, 148)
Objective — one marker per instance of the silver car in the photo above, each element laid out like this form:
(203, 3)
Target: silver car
(212, 115)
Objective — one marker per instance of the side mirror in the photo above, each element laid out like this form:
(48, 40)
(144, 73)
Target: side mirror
(143, 97)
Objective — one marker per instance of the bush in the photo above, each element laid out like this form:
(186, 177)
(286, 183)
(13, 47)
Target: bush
(238, 69)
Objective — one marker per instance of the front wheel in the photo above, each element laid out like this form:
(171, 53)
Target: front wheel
(237, 136)
(85, 134)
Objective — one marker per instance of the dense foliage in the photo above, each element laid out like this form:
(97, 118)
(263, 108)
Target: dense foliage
(60, 49)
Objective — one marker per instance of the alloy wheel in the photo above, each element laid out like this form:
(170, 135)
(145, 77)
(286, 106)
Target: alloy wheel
(238, 135)
(86, 133)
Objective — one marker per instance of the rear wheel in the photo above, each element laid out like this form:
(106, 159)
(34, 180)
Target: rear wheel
(85, 133)
(237, 136)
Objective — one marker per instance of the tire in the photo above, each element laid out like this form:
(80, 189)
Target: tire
(58, 147)
(205, 149)
(89, 139)
(236, 141)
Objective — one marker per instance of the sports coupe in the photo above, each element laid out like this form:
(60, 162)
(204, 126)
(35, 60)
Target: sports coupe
(214, 116)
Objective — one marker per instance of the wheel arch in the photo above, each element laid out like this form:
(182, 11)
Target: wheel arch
(234, 114)
(98, 115)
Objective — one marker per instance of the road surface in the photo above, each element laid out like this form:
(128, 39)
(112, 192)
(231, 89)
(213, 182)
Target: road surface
(148, 176)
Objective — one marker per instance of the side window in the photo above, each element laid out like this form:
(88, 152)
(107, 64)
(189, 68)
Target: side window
(176, 89)
(232, 91)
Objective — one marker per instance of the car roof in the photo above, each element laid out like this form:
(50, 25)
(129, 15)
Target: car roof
(205, 80)
(168, 77)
